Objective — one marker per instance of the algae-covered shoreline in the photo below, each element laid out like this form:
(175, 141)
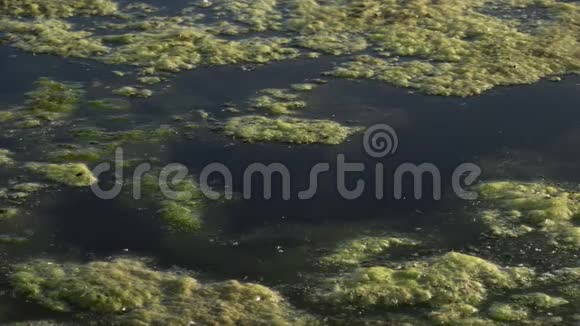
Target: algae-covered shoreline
(295, 82)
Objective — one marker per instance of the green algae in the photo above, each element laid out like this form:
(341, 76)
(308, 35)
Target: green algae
(355, 252)
(70, 174)
(12, 239)
(52, 37)
(6, 157)
(90, 154)
(277, 101)
(149, 80)
(57, 8)
(258, 15)
(181, 212)
(304, 87)
(48, 101)
(449, 279)
(176, 48)
(335, 44)
(134, 294)
(539, 300)
(110, 104)
(456, 48)
(129, 91)
(508, 312)
(452, 313)
(520, 208)
(288, 130)
(8, 213)
(53, 98)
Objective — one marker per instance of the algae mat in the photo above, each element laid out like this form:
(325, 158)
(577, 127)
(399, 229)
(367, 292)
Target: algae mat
(130, 87)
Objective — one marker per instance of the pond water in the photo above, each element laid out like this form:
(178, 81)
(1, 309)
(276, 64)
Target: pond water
(522, 132)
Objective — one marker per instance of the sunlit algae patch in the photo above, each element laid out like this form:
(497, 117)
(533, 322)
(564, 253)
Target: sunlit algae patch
(70, 174)
(354, 252)
(136, 295)
(57, 8)
(455, 48)
(6, 157)
(49, 101)
(180, 211)
(452, 289)
(288, 130)
(518, 208)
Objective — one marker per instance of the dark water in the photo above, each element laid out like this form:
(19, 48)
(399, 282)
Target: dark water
(528, 132)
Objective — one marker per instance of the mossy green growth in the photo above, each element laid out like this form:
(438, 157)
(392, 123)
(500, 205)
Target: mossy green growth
(52, 37)
(49, 101)
(288, 130)
(539, 300)
(133, 92)
(149, 80)
(133, 294)
(508, 312)
(452, 278)
(110, 104)
(304, 87)
(51, 97)
(12, 239)
(277, 101)
(86, 154)
(6, 157)
(70, 174)
(517, 208)
(462, 51)
(57, 8)
(258, 15)
(335, 44)
(354, 252)
(177, 47)
(181, 209)
(454, 314)
(8, 213)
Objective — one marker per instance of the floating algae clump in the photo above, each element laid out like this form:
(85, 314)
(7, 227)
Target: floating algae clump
(463, 51)
(335, 44)
(356, 251)
(57, 8)
(71, 174)
(260, 15)
(6, 157)
(456, 48)
(175, 47)
(539, 300)
(508, 312)
(52, 98)
(8, 213)
(133, 92)
(277, 101)
(288, 130)
(449, 279)
(181, 209)
(136, 295)
(519, 208)
(49, 101)
(52, 37)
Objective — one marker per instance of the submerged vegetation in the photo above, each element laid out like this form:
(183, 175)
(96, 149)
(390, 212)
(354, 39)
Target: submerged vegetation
(444, 47)
(455, 48)
(288, 130)
(136, 295)
(69, 174)
(519, 208)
